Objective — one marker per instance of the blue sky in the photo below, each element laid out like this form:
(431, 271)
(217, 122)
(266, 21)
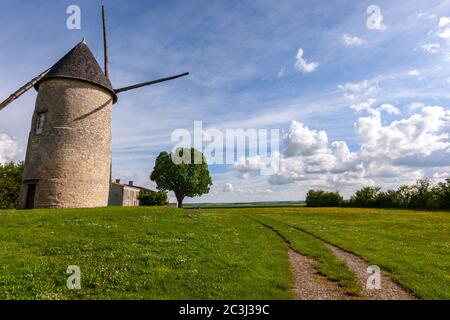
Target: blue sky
(242, 57)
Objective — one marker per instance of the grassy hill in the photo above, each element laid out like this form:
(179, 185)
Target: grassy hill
(213, 253)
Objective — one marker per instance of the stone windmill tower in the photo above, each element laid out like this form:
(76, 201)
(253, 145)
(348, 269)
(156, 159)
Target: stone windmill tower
(68, 159)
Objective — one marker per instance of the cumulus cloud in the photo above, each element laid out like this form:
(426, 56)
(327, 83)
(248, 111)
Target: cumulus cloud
(351, 40)
(300, 140)
(228, 187)
(302, 65)
(388, 154)
(8, 148)
(421, 134)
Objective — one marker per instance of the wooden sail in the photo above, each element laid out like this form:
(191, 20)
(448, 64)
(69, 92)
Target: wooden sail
(23, 89)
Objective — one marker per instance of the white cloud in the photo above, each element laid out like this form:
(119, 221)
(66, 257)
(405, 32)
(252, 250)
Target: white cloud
(8, 148)
(364, 106)
(302, 65)
(351, 40)
(420, 134)
(389, 154)
(228, 187)
(355, 90)
(445, 34)
(300, 140)
(389, 108)
(414, 73)
(369, 107)
(431, 47)
(443, 21)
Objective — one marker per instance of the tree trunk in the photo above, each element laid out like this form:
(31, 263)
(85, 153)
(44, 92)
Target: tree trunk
(180, 200)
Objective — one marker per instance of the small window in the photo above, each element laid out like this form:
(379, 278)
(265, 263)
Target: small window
(40, 123)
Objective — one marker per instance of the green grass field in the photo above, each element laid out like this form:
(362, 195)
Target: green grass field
(169, 253)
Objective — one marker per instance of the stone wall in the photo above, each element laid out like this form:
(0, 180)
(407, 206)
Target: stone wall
(70, 160)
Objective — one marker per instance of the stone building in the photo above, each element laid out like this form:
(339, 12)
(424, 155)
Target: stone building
(126, 195)
(68, 159)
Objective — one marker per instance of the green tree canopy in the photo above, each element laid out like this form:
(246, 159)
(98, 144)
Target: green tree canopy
(185, 172)
(10, 182)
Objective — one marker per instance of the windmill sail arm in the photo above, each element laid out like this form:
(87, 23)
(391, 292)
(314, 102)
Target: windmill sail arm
(144, 84)
(23, 89)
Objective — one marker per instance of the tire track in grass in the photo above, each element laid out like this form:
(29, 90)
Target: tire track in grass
(318, 274)
(389, 290)
(310, 285)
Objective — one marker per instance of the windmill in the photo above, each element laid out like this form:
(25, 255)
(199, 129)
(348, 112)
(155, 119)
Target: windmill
(68, 159)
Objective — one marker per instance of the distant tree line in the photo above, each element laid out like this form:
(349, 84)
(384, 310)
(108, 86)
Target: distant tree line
(421, 195)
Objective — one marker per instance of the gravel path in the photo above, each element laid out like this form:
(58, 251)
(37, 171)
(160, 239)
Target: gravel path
(309, 285)
(389, 290)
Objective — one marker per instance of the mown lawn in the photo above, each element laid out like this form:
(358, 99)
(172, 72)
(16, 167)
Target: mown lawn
(413, 246)
(140, 253)
(169, 253)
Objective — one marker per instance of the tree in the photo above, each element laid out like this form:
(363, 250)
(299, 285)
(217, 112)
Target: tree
(10, 182)
(320, 198)
(365, 197)
(388, 199)
(442, 191)
(153, 198)
(185, 172)
(422, 196)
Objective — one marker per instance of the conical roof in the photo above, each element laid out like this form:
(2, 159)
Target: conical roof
(79, 63)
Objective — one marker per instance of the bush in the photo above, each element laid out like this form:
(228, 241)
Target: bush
(10, 182)
(320, 198)
(153, 198)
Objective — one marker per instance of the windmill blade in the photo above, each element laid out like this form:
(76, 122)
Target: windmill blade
(149, 83)
(23, 89)
(105, 43)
